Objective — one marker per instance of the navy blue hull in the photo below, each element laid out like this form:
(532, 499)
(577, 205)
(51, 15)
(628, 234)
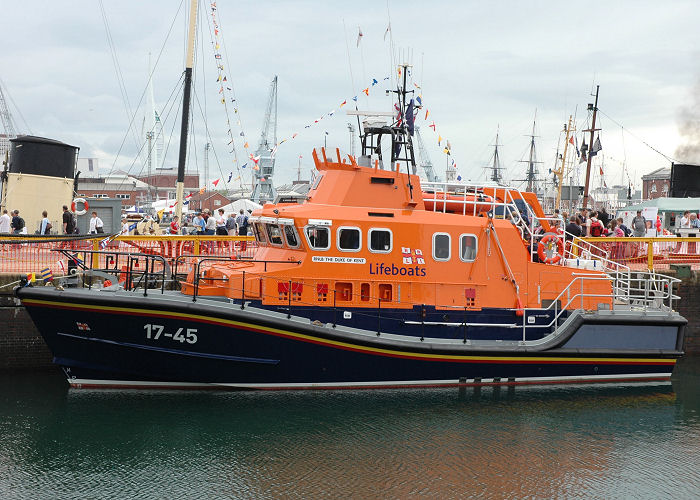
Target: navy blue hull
(118, 341)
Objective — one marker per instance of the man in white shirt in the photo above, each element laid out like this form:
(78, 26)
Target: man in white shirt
(125, 226)
(96, 224)
(5, 222)
(685, 220)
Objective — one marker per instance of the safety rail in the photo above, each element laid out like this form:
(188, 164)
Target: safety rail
(645, 291)
(127, 275)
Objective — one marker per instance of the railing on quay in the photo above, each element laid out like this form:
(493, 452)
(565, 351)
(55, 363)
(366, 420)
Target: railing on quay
(652, 254)
(26, 254)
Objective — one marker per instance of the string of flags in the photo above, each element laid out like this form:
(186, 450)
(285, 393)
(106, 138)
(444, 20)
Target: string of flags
(226, 90)
(227, 97)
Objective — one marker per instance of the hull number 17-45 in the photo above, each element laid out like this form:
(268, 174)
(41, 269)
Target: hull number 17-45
(155, 332)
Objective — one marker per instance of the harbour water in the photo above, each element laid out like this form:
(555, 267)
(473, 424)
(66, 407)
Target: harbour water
(554, 442)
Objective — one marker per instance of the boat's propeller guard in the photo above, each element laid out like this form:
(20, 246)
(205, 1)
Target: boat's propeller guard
(550, 248)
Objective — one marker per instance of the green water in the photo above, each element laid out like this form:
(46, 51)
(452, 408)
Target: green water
(602, 442)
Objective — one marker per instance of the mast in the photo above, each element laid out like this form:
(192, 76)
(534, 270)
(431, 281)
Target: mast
(496, 165)
(560, 173)
(532, 161)
(180, 186)
(588, 162)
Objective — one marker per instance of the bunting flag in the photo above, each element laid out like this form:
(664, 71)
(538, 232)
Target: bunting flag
(439, 140)
(341, 105)
(374, 82)
(432, 125)
(216, 182)
(427, 112)
(202, 189)
(571, 140)
(244, 165)
(229, 177)
(46, 274)
(366, 91)
(359, 35)
(596, 147)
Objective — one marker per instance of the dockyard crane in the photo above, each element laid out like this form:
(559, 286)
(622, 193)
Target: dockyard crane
(6, 118)
(263, 189)
(424, 160)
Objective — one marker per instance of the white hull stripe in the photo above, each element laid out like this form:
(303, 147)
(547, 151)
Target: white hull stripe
(138, 384)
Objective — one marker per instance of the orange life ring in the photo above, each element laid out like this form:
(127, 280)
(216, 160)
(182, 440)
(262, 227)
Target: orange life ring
(73, 206)
(551, 243)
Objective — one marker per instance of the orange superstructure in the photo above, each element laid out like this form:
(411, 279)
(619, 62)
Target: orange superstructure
(364, 236)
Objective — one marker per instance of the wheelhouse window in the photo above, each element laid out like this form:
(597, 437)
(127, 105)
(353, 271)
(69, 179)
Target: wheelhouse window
(274, 234)
(349, 239)
(259, 233)
(319, 237)
(467, 247)
(290, 234)
(441, 246)
(380, 240)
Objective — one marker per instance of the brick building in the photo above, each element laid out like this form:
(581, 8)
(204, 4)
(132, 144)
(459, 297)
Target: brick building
(213, 200)
(163, 184)
(135, 191)
(656, 184)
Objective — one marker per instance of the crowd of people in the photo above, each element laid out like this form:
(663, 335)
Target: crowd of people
(596, 223)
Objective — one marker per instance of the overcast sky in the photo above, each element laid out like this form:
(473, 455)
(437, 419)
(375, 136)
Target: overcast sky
(480, 65)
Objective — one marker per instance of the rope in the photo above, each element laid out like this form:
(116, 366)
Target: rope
(10, 284)
(637, 137)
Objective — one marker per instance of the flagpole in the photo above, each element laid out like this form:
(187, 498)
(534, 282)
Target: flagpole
(590, 148)
(180, 186)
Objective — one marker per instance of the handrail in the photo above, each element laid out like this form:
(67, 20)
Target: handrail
(131, 258)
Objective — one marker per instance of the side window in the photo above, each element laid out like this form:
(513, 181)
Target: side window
(274, 234)
(259, 233)
(290, 234)
(441, 246)
(349, 239)
(467, 247)
(380, 240)
(319, 237)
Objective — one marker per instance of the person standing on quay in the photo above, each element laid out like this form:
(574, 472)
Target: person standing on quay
(639, 225)
(242, 222)
(96, 224)
(5, 222)
(68, 227)
(45, 227)
(17, 223)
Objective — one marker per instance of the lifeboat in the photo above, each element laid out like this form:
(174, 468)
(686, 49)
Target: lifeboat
(373, 281)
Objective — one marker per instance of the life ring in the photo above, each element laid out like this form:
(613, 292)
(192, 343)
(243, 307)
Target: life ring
(550, 248)
(75, 203)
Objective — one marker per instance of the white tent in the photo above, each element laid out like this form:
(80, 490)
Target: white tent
(238, 204)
